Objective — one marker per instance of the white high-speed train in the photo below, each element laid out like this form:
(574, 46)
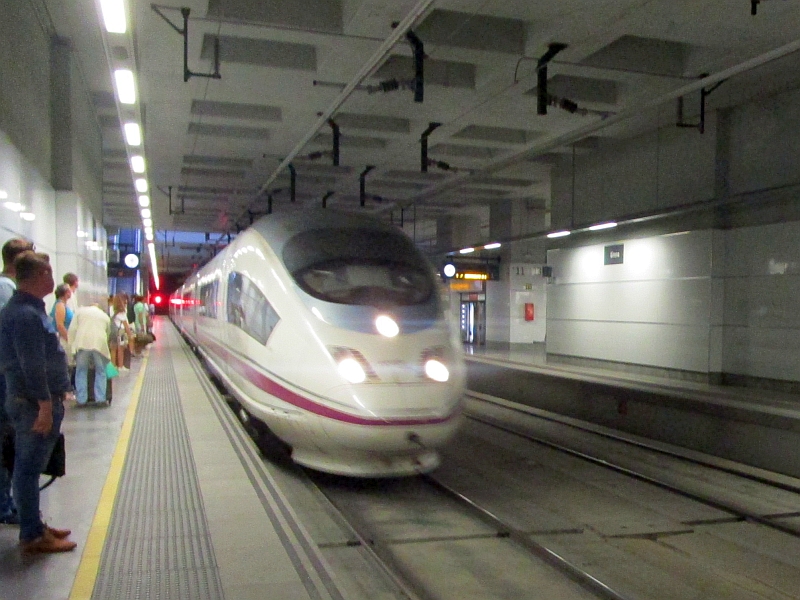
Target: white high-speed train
(328, 328)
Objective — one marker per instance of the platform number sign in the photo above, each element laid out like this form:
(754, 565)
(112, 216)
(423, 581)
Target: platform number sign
(613, 254)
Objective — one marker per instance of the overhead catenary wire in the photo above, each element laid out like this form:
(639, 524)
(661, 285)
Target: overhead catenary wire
(365, 71)
(553, 141)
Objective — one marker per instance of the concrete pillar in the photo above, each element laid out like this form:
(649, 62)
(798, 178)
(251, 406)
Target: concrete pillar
(501, 219)
(61, 113)
(444, 233)
(716, 332)
(722, 162)
(80, 248)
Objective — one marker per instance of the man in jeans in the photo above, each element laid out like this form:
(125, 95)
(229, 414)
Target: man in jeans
(35, 368)
(11, 249)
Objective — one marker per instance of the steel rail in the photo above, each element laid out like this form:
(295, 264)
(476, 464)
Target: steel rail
(575, 573)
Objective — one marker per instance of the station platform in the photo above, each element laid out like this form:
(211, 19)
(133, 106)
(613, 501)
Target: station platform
(166, 497)
(755, 426)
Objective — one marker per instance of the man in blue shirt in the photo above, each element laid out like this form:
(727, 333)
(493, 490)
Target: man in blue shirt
(35, 368)
(11, 249)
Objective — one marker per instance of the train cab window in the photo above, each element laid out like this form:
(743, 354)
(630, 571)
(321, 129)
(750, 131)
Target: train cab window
(249, 309)
(208, 299)
(359, 267)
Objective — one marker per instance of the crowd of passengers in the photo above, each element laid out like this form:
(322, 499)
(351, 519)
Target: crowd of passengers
(47, 360)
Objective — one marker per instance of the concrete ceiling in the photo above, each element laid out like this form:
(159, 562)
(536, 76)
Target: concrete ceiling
(216, 142)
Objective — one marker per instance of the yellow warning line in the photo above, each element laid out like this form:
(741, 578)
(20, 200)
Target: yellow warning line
(89, 566)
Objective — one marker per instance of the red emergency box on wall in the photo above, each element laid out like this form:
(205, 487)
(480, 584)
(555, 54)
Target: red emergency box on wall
(529, 311)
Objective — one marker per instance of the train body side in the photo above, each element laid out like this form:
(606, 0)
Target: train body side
(283, 368)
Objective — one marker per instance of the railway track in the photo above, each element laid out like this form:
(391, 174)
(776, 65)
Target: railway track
(745, 493)
(448, 553)
(527, 506)
(513, 513)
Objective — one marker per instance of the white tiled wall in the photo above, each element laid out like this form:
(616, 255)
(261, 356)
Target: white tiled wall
(761, 275)
(527, 286)
(653, 309)
(59, 216)
(705, 301)
(497, 312)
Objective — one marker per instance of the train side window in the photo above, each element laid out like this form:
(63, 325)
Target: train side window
(208, 299)
(249, 309)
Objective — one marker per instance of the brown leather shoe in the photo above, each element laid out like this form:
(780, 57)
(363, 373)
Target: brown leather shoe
(59, 534)
(46, 544)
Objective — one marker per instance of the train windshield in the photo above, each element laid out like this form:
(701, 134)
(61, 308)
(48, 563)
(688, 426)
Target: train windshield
(359, 267)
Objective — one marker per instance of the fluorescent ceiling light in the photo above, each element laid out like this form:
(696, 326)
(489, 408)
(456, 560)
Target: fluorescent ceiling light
(153, 264)
(148, 235)
(491, 246)
(137, 164)
(27, 216)
(466, 250)
(114, 16)
(600, 226)
(144, 201)
(147, 222)
(15, 206)
(126, 88)
(141, 185)
(558, 234)
(145, 212)
(133, 135)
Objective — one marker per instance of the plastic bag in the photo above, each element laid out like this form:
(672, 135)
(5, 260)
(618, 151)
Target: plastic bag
(111, 370)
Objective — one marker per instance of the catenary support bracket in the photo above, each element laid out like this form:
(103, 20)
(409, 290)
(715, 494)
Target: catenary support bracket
(419, 65)
(292, 182)
(362, 180)
(542, 97)
(336, 141)
(704, 93)
(423, 140)
(187, 73)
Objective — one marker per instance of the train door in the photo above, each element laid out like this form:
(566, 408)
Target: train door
(473, 320)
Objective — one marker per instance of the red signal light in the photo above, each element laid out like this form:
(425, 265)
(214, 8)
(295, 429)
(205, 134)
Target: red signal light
(158, 299)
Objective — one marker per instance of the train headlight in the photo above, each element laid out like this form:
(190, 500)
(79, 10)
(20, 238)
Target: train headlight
(387, 326)
(436, 370)
(351, 370)
(352, 365)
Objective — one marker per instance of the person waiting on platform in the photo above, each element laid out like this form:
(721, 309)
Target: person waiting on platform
(61, 314)
(71, 280)
(11, 249)
(88, 339)
(37, 380)
(121, 335)
(141, 313)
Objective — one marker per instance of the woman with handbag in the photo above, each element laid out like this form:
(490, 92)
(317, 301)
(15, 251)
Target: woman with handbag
(121, 334)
